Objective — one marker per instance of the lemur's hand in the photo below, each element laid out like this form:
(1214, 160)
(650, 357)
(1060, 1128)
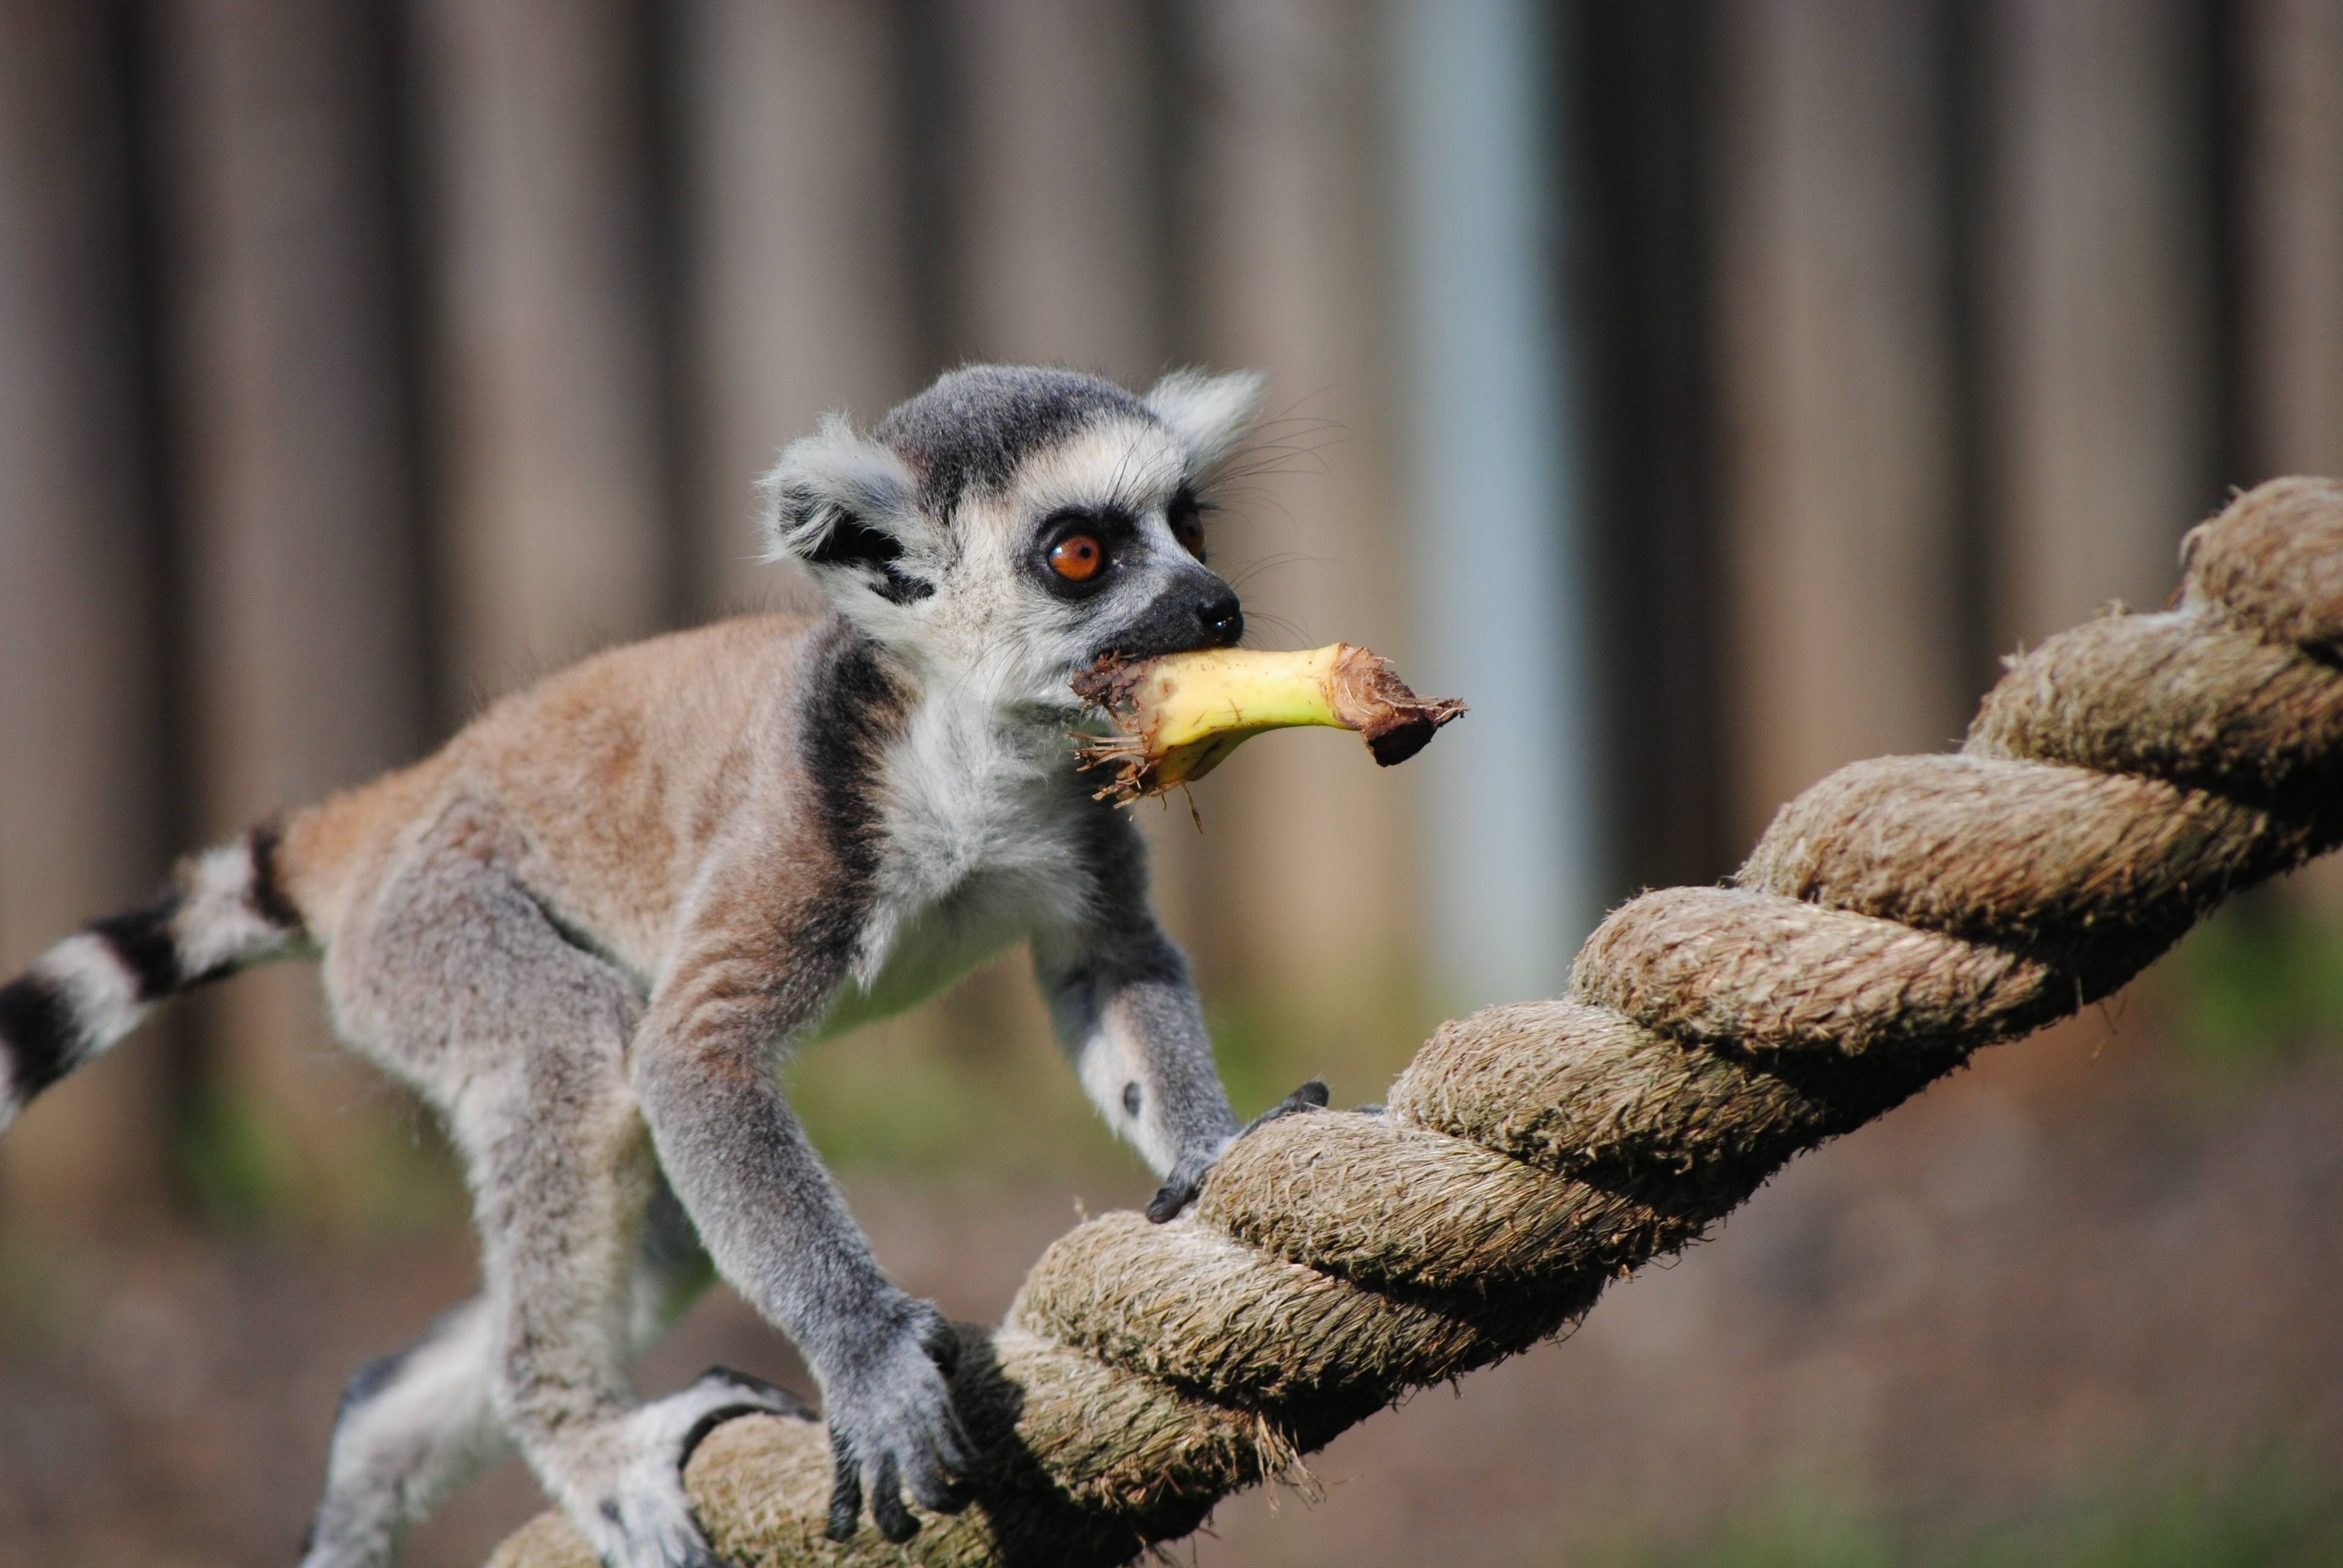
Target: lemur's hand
(1187, 1178)
(891, 1425)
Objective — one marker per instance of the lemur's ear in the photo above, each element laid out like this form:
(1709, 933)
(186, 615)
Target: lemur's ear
(846, 507)
(1207, 412)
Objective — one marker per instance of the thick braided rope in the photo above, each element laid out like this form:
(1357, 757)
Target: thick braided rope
(2120, 780)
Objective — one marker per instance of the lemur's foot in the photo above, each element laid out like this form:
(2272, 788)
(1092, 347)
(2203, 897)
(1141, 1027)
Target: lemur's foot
(1310, 1096)
(719, 1394)
(642, 1519)
(1187, 1178)
(892, 1426)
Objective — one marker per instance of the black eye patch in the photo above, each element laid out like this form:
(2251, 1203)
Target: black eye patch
(1186, 517)
(851, 542)
(1111, 528)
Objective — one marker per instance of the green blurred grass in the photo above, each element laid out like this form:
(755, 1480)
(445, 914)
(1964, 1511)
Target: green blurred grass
(395, 1179)
(2256, 988)
(974, 1084)
(969, 1086)
(2276, 1513)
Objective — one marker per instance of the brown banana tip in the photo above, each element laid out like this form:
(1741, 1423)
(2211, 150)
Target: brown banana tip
(1396, 736)
(1397, 723)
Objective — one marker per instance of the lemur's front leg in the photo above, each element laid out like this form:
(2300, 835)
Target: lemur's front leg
(773, 1221)
(1127, 1014)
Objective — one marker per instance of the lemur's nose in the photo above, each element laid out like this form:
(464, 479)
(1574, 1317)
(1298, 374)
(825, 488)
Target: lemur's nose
(1222, 617)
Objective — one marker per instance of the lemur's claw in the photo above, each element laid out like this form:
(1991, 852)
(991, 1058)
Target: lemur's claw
(844, 1490)
(642, 1517)
(894, 1429)
(1310, 1096)
(755, 1397)
(1173, 1196)
(887, 1511)
(1187, 1179)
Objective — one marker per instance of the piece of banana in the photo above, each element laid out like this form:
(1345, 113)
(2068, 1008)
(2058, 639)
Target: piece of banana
(1176, 717)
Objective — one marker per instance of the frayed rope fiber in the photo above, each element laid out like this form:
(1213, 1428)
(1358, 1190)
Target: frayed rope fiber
(2122, 779)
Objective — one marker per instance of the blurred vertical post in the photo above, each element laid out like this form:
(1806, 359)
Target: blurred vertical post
(1639, 91)
(300, 545)
(547, 426)
(2098, 305)
(1312, 858)
(2291, 282)
(1498, 526)
(1835, 310)
(2293, 273)
(799, 283)
(1049, 252)
(1035, 244)
(84, 783)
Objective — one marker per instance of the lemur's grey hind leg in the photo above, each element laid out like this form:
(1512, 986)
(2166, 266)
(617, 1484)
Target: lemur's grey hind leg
(416, 1424)
(455, 977)
(413, 1427)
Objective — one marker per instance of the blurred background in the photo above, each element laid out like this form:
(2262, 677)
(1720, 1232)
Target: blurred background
(1708, 392)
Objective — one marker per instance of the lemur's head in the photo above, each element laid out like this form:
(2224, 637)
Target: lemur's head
(1020, 522)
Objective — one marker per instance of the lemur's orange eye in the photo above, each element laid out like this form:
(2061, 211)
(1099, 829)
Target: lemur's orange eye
(1077, 558)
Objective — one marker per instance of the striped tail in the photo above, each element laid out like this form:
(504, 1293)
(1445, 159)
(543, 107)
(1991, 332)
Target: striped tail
(226, 910)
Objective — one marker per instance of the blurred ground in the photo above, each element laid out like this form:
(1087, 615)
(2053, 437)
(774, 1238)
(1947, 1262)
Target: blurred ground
(2079, 1299)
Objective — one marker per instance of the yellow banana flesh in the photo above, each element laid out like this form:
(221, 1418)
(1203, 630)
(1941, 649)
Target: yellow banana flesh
(1176, 717)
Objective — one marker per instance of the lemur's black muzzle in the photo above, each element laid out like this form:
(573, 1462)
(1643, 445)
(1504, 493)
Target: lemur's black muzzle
(1221, 617)
(1197, 610)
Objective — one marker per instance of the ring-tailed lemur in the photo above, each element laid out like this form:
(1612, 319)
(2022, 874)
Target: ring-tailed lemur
(584, 928)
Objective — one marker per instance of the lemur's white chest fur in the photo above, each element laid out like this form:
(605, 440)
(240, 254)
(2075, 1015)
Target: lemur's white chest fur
(982, 819)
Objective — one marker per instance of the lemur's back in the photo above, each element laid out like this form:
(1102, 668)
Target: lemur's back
(663, 737)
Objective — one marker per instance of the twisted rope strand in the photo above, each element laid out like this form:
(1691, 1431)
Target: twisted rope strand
(2120, 780)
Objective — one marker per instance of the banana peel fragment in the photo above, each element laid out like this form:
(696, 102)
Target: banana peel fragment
(1175, 718)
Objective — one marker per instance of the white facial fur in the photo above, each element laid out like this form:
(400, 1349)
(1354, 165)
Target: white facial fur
(996, 613)
(967, 598)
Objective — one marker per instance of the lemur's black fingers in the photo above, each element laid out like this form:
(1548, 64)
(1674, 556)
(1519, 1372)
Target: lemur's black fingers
(757, 1397)
(935, 1491)
(1187, 1179)
(941, 1341)
(935, 1472)
(954, 1451)
(844, 1490)
(780, 1401)
(1310, 1096)
(1173, 1197)
(887, 1510)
